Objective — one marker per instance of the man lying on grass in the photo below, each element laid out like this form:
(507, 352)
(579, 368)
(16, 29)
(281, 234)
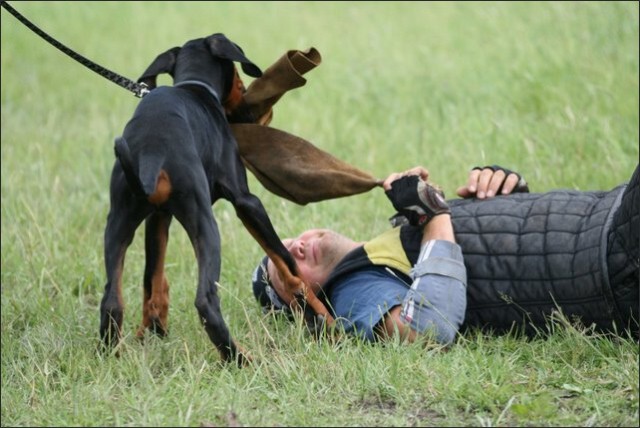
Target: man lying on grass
(498, 263)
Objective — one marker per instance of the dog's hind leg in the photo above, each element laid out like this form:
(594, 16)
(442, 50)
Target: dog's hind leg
(155, 304)
(122, 221)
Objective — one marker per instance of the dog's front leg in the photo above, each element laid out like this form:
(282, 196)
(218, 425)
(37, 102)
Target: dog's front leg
(254, 217)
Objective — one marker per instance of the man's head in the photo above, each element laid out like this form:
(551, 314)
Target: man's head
(316, 252)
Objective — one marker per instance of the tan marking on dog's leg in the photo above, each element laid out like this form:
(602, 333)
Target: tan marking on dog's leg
(117, 319)
(297, 285)
(145, 314)
(155, 307)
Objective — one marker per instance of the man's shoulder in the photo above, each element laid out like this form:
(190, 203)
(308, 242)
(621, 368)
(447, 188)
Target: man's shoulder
(357, 266)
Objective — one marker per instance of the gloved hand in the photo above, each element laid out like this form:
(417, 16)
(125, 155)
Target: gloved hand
(492, 180)
(520, 187)
(418, 201)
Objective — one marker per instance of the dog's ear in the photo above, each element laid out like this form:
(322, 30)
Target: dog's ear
(164, 63)
(222, 47)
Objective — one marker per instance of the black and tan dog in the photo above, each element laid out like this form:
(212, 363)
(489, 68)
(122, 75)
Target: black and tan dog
(176, 157)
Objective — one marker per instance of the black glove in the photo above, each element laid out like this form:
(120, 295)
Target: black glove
(418, 201)
(521, 186)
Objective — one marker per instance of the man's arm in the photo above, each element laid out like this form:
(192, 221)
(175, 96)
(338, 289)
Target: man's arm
(436, 302)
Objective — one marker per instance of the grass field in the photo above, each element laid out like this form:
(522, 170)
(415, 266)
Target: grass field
(549, 89)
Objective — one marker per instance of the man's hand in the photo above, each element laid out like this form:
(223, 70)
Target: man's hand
(420, 171)
(417, 200)
(488, 181)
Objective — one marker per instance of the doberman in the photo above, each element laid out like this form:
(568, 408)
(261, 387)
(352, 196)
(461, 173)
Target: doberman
(177, 156)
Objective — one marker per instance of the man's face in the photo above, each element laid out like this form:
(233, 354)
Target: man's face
(316, 252)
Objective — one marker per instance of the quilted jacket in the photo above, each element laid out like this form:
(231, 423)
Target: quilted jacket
(526, 254)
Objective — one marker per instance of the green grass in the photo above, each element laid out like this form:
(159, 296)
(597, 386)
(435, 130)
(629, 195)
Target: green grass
(547, 88)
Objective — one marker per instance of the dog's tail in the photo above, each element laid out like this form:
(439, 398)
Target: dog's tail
(123, 154)
(142, 182)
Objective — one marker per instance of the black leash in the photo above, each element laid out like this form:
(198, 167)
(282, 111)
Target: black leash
(139, 89)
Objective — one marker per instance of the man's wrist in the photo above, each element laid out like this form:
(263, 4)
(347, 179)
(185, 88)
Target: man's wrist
(439, 227)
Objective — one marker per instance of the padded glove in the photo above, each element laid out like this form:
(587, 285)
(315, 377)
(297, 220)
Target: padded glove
(418, 201)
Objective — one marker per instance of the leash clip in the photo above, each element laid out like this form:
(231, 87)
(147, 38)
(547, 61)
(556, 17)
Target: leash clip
(142, 90)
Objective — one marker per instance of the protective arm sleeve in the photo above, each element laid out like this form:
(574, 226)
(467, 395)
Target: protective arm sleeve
(437, 300)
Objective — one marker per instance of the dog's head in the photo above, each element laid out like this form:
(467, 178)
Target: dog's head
(199, 60)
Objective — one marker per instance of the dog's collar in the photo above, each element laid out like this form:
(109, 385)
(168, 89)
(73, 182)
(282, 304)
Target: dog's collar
(209, 89)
